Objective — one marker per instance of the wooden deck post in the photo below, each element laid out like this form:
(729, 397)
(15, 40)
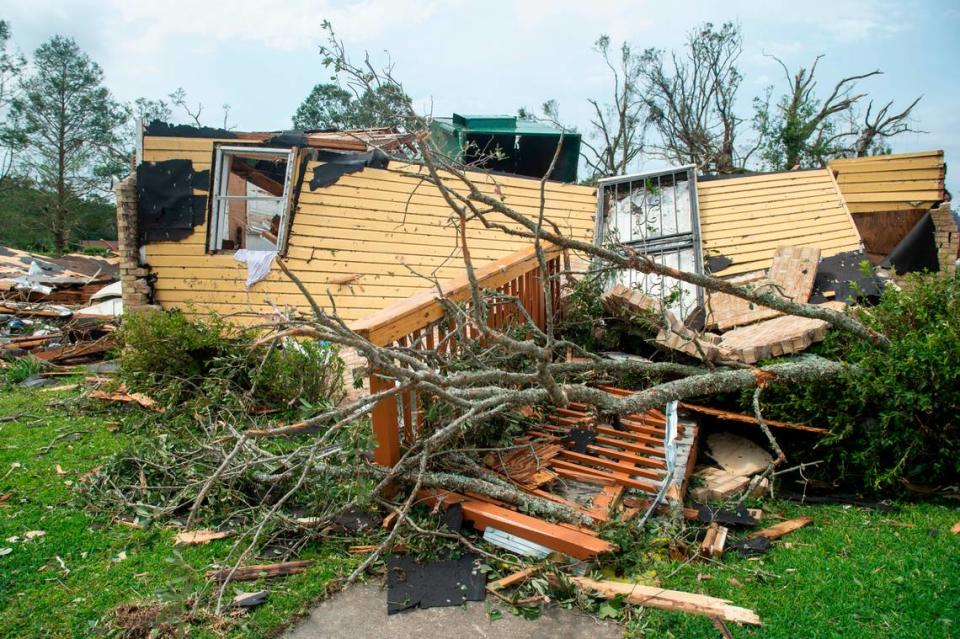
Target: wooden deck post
(386, 429)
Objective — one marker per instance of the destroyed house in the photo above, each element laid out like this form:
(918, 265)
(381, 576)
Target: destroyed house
(211, 209)
(730, 226)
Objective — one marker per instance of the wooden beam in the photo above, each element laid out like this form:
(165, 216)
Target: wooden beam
(579, 543)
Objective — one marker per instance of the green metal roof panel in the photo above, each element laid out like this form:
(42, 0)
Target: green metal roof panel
(499, 124)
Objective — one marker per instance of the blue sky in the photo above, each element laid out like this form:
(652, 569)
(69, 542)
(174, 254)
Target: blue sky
(260, 56)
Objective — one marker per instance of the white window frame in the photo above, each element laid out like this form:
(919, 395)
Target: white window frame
(219, 200)
(658, 246)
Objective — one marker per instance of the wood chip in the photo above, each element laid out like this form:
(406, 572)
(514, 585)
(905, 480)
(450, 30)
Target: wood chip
(57, 389)
(130, 398)
(784, 527)
(956, 528)
(196, 537)
(714, 541)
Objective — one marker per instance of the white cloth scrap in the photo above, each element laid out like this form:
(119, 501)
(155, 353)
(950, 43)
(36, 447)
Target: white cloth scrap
(258, 264)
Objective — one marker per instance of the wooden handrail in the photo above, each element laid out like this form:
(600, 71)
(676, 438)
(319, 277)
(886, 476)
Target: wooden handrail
(419, 322)
(419, 310)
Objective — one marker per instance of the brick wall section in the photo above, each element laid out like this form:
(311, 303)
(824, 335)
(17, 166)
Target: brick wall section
(137, 292)
(947, 236)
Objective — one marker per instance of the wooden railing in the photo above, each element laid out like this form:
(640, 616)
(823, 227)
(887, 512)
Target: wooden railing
(420, 322)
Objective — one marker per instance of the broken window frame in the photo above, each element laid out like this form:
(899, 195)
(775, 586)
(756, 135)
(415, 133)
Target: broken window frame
(656, 246)
(220, 199)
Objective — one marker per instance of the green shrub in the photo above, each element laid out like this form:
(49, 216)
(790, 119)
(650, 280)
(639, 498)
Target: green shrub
(177, 359)
(895, 412)
(21, 369)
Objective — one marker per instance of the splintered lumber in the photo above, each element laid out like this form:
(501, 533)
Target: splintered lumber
(249, 573)
(713, 541)
(676, 600)
(776, 337)
(719, 484)
(749, 419)
(779, 530)
(702, 346)
(74, 351)
(128, 398)
(527, 466)
(517, 577)
(196, 537)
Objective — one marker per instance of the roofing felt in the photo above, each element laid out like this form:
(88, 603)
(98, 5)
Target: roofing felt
(745, 219)
(891, 182)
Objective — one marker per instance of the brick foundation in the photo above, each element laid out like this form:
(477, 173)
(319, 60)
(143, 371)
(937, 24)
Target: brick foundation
(947, 237)
(134, 277)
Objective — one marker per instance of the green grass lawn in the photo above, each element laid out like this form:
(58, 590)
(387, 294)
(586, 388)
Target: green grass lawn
(851, 574)
(42, 597)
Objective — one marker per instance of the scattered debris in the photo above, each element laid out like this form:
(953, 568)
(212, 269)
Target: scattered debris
(713, 541)
(779, 530)
(196, 537)
(653, 597)
(249, 599)
(956, 528)
(250, 573)
(751, 547)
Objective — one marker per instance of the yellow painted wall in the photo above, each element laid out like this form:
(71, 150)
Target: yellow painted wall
(390, 229)
(747, 218)
(883, 183)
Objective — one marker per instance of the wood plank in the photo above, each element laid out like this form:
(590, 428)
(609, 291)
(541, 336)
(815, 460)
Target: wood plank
(664, 599)
(748, 419)
(576, 542)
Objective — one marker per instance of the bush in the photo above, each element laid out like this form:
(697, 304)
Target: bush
(21, 369)
(895, 412)
(176, 359)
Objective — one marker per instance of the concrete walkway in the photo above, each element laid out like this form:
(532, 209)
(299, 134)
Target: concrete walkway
(360, 612)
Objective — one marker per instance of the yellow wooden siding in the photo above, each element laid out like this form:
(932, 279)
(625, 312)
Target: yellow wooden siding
(388, 229)
(745, 219)
(882, 183)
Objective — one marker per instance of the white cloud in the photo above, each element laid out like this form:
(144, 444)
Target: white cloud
(286, 25)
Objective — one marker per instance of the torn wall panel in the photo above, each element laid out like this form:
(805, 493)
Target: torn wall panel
(368, 239)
